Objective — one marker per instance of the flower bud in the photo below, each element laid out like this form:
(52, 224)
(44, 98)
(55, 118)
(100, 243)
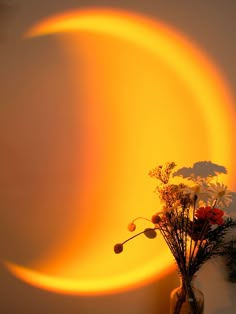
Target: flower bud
(131, 227)
(118, 248)
(156, 219)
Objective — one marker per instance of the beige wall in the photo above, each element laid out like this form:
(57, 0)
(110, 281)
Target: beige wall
(211, 24)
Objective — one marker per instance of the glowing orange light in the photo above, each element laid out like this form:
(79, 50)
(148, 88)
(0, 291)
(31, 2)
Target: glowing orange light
(149, 96)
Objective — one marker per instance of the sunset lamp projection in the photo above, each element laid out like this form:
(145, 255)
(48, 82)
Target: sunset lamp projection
(148, 94)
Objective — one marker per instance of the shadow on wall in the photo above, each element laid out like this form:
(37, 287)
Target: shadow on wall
(206, 169)
(203, 169)
(219, 293)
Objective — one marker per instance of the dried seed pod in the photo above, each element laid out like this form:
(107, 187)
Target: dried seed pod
(150, 233)
(118, 248)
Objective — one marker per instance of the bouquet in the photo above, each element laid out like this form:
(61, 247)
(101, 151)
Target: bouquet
(192, 222)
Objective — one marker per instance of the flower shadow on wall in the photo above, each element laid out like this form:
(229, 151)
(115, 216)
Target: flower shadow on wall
(207, 169)
(192, 221)
(200, 169)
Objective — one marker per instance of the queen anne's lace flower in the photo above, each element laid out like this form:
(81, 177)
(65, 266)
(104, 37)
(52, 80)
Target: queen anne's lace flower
(162, 172)
(219, 193)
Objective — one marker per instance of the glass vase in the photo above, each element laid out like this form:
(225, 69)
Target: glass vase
(186, 299)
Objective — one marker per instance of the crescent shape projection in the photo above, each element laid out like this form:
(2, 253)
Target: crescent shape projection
(132, 101)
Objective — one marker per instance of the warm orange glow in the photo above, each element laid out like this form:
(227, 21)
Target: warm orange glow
(85, 286)
(150, 96)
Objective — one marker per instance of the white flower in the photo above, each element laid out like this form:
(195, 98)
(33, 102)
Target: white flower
(219, 192)
(199, 190)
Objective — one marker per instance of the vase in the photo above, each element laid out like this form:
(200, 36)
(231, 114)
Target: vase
(186, 299)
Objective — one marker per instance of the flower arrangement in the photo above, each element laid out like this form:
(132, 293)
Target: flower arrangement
(192, 222)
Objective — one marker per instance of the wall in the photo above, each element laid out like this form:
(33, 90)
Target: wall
(27, 233)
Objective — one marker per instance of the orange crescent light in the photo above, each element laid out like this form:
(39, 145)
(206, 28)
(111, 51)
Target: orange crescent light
(189, 62)
(138, 139)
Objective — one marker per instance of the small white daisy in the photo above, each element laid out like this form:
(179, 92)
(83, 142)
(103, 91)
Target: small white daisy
(200, 190)
(220, 193)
